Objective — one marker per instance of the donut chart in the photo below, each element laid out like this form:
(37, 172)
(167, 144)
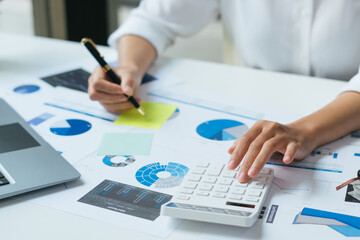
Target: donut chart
(161, 176)
(118, 161)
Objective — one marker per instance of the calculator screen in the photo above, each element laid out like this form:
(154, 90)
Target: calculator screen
(240, 205)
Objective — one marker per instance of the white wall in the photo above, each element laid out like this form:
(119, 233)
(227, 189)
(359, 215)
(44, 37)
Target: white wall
(16, 17)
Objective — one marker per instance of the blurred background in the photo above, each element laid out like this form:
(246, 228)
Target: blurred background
(73, 19)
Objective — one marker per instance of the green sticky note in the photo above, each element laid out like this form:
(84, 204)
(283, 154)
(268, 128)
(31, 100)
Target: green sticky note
(138, 144)
(156, 116)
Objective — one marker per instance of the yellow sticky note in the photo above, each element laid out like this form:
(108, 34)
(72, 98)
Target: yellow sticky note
(156, 116)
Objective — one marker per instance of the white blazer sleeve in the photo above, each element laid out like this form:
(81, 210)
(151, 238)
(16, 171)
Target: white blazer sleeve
(160, 21)
(354, 84)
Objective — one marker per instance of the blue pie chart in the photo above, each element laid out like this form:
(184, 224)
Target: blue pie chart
(221, 129)
(175, 114)
(26, 89)
(70, 127)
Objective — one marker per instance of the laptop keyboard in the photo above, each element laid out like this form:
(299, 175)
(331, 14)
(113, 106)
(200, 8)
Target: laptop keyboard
(3, 180)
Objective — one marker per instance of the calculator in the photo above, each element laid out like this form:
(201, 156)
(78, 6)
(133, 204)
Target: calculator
(211, 193)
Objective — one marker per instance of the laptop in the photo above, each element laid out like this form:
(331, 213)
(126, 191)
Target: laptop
(27, 162)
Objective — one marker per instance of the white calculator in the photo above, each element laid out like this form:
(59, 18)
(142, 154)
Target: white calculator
(211, 193)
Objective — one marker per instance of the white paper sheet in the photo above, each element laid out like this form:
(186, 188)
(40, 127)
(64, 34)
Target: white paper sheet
(179, 141)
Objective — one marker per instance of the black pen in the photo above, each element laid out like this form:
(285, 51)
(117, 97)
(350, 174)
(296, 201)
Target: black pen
(90, 45)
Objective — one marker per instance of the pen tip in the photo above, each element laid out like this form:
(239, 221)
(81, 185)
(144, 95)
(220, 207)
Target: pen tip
(141, 111)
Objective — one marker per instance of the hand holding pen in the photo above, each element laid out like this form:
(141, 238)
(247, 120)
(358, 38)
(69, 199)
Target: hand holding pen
(109, 92)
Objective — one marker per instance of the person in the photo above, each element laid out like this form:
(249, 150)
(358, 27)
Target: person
(317, 38)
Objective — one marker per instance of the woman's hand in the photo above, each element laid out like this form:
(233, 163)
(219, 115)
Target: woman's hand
(256, 146)
(111, 95)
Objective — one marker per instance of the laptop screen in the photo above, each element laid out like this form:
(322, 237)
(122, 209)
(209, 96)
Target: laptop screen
(14, 137)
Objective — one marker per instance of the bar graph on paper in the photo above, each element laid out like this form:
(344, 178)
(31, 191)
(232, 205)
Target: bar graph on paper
(319, 160)
(126, 199)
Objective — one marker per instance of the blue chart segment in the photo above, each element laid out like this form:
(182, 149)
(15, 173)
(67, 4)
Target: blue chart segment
(126, 199)
(40, 119)
(70, 127)
(26, 89)
(175, 114)
(118, 161)
(221, 129)
(155, 175)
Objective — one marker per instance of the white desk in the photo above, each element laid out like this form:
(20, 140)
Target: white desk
(23, 55)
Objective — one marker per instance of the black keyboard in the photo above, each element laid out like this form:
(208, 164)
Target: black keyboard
(3, 180)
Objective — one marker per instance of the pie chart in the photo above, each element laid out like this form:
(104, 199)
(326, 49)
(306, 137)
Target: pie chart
(118, 161)
(221, 129)
(26, 89)
(70, 127)
(175, 114)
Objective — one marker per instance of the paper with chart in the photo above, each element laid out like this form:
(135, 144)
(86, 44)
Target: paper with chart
(109, 181)
(128, 190)
(76, 133)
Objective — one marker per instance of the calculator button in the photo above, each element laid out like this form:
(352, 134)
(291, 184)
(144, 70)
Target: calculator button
(254, 193)
(215, 170)
(217, 210)
(183, 197)
(222, 189)
(260, 178)
(225, 181)
(190, 185)
(260, 175)
(209, 179)
(252, 199)
(202, 193)
(194, 178)
(238, 184)
(265, 171)
(239, 191)
(229, 174)
(235, 196)
(186, 191)
(239, 213)
(206, 187)
(218, 195)
(257, 185)
(186, 206)
(203, 164)
(200, 171)
(235, 212)
(200, 208)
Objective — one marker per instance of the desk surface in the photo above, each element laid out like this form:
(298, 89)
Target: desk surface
(298, 95)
